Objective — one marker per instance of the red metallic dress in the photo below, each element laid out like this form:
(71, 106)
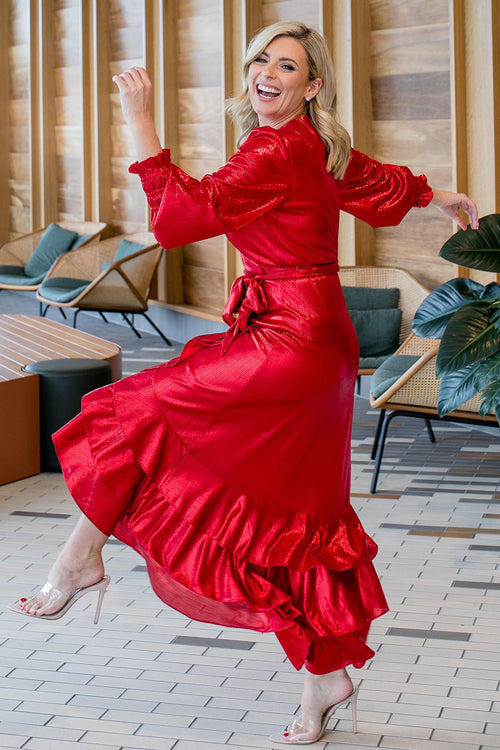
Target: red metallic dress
(228, 468)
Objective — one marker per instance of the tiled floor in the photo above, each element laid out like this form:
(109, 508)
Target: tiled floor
(147, 678)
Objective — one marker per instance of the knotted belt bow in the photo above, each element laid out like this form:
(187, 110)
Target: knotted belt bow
(247, 296)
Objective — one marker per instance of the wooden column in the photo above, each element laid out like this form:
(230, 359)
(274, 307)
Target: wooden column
(346, 27)
(476, 105)
(4, 124)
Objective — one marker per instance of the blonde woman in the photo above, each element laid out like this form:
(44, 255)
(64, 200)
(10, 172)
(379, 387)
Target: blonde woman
(228, 468)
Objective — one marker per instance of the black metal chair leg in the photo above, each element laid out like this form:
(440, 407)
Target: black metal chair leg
(165, 339)
(388, 416)
(74, 317)
(131, 325)
(377, 434)
(102, 316)
(430, 431)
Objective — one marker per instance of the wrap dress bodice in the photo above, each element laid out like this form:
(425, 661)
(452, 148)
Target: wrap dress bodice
(228, 468)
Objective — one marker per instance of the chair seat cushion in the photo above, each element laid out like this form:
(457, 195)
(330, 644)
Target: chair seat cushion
(390, 371)
(61, 289)
(54, 242)
(16, 276)
(377, 330)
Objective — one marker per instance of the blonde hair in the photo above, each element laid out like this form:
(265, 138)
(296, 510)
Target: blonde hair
(321, 110)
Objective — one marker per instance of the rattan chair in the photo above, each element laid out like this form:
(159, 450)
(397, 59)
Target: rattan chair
(407, 386)
(411, 294)
(114, 275)
(15, 254)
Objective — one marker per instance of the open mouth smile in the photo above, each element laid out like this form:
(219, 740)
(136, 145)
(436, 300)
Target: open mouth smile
(267, 92)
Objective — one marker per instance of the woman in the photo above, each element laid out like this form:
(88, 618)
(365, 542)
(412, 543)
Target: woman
(228, 468)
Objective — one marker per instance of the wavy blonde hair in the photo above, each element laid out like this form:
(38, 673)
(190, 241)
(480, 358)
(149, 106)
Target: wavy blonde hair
(321, 110)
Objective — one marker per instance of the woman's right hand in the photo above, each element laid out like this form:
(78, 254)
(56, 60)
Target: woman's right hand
(136, 92)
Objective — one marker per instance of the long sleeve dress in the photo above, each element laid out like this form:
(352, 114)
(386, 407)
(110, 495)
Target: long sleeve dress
(228, 468)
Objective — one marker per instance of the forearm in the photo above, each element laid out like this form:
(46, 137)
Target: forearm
(145, 137)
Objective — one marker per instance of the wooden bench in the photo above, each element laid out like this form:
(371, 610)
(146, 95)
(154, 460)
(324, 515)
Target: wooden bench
(25, 339)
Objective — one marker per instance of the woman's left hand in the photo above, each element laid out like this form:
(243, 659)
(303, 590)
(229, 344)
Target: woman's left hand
(451, 203)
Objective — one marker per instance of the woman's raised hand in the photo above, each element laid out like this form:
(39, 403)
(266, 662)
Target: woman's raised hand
(136, 92)
(451, 203)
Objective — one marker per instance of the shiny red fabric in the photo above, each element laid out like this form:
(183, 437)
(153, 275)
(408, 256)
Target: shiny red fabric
(228, 468)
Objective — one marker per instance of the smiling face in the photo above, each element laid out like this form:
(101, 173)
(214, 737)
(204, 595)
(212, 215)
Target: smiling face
(279, 82)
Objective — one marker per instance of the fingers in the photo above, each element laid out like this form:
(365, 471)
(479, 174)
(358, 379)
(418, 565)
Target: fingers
(135, 77)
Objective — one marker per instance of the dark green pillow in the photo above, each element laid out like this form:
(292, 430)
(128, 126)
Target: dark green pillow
(54, 242)
(368, 298)
(377, 330)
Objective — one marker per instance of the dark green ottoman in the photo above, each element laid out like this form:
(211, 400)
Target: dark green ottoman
(63, 382)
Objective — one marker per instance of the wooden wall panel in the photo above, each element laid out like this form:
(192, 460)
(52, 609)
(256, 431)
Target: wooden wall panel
(16, 19)
(418, 85)
(411, 97)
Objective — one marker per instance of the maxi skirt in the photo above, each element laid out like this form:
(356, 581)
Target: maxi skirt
(228, 470)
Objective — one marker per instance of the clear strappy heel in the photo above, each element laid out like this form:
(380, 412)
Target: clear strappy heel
(297, 734)
(67, 600)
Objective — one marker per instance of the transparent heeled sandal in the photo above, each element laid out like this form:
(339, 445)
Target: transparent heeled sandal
(298, 734)
(55, 596)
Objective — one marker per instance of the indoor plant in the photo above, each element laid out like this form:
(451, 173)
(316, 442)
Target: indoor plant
(465, 315)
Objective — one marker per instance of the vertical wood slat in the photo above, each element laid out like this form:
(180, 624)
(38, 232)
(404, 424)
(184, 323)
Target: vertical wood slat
(35, 125)
(347, 31)
(235, 41)
(101, 114)
(4, 124)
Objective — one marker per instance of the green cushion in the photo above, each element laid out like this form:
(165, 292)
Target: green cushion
(55, 241)
(390, 371)
(124, 249)
(368, 298)
(377, 330)
(61, 289)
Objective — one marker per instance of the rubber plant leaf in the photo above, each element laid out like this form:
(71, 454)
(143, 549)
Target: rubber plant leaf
(456, 388)
(435, 311)
(491, 400)
(476, 248)
(469, 337)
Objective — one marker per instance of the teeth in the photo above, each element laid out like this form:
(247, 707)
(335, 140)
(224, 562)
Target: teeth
(269, 89)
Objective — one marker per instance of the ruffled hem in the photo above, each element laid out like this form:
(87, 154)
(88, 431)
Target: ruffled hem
(258, 532)
(200, 562)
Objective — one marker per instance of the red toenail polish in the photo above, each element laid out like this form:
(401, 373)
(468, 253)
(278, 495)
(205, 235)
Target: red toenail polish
(23, 600)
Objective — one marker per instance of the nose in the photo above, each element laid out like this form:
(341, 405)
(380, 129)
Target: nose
(269, 70)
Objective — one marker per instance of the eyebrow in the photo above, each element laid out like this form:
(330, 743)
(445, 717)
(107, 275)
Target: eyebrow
(282, 59)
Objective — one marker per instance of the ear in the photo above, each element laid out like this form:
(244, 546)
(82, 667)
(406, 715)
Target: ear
(313, 88)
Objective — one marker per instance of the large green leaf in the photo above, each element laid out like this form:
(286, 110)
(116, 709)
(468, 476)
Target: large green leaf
(487, 372)
(491, 400)
(436, 310)
(469, 337)
(476, 248)
(455, 389)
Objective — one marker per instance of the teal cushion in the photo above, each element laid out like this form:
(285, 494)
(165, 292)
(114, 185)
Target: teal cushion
(368, 298)
(15, 276)
(81, 238)
(61, 289)
(377, 330)
(390, 371)
(124, 249)
(55, 241)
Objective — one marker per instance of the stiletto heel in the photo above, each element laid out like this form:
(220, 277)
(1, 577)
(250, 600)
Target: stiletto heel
(54, 595)
(305, 738)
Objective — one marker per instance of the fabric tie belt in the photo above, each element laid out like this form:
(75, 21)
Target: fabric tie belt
(247, 296)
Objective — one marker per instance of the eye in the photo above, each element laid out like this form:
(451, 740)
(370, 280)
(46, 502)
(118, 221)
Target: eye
(287, 66)
(260, 59)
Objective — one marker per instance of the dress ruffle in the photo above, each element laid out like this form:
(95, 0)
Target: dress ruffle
(229, 559)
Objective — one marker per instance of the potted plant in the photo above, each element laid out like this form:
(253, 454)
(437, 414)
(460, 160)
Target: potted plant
(465, 315)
